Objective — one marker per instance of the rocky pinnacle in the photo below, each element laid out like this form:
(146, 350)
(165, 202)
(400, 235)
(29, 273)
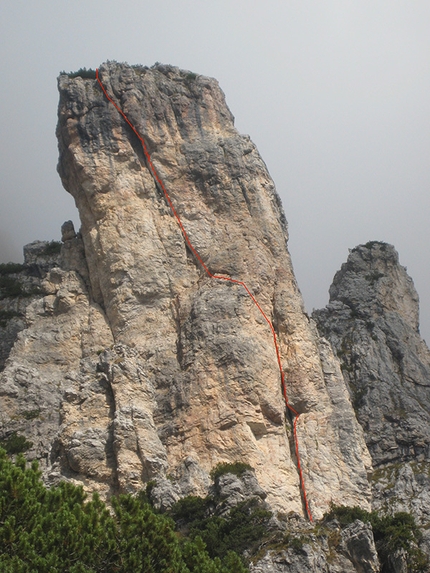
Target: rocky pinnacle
(177, 372)
(372, 323)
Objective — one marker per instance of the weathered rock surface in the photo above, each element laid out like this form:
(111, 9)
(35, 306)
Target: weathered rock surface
(50, 390)
(333, 550)
(123, 363)
(19, 284)
(193, 371)
(372, 323)
(403, 486)
(358, 546)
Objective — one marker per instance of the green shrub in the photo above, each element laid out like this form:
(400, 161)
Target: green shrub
(82, 73)
(15, 444)
(391, 532)
(371, 244)
(374, 277)
(31, 414)
(139, 68)
(296, 543)
(346, 515)
(52, 248)
(399, 532)
(10, 287)
(146, 494)
(10, 268)
(236, 468)
(190, 509)
(244, 528)
(6, 315)
(60, 531)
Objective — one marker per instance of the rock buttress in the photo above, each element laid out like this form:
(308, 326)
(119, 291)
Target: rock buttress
(50, 391)
(193, 371)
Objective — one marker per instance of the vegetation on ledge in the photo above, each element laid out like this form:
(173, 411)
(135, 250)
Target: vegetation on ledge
(236, 468)
(391, 533)
(81, 73)
(10, 268)
(52, 248)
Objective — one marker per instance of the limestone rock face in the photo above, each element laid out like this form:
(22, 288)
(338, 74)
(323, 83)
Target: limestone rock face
(358, 546)
(372, 323)
(348, 550)
(151, 370)
(19, 284)
(49, 387)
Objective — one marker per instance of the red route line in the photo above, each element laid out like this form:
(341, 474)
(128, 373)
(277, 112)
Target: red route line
(221, 278)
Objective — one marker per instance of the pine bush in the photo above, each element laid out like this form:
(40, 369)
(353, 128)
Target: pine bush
(58, 530)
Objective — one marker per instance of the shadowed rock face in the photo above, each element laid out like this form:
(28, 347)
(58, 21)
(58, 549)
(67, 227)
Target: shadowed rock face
(187, 363)
(372, 323)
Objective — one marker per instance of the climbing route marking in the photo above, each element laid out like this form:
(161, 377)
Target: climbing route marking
(221, 278)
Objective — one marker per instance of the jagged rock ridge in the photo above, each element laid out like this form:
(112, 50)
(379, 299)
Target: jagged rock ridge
(157, 371)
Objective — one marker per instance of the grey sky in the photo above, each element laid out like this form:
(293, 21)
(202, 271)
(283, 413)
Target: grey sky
(335, 93)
